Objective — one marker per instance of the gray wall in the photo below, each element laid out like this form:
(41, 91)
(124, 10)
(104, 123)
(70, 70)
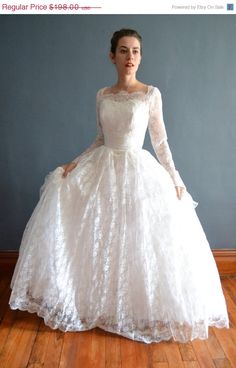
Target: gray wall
(52, 66)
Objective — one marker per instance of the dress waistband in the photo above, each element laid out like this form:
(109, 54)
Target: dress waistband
(123, 149)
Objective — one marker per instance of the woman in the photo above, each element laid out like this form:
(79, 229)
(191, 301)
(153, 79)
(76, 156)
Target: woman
(114, 241)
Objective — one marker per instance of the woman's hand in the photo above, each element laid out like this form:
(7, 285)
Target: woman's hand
(68, 168)
(180, 191)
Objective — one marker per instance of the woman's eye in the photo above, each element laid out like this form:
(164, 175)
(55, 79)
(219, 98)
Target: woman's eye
(125, 51)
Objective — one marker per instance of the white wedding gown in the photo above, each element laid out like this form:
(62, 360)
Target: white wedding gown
(112, 246)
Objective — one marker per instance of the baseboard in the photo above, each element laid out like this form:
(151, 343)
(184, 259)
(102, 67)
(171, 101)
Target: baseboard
(8, 260)
(225, 261)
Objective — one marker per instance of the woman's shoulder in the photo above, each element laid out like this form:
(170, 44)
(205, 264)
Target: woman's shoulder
(100, 91)
(155, 89)
(155, 94)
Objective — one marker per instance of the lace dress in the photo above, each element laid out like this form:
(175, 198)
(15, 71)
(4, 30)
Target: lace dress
(112, 246)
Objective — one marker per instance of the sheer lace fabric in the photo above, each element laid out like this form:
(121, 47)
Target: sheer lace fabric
(156, 128)
(111, 246)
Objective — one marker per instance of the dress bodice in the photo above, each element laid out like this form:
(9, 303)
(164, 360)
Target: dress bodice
(122, 121)
(124, 118)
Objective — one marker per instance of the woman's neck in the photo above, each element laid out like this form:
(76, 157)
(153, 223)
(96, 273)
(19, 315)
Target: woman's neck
(126, 84)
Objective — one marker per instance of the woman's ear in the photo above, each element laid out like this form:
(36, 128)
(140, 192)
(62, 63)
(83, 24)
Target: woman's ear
(112, 57)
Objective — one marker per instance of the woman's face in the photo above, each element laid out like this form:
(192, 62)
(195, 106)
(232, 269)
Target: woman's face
(127, 56)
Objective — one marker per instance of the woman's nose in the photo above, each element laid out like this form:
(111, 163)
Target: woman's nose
(130, 55)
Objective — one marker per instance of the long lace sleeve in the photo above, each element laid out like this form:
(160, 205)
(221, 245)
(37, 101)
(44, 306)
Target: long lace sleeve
(159, 138)
(99, 140)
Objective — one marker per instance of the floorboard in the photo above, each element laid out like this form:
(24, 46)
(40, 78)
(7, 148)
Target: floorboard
(26, 342)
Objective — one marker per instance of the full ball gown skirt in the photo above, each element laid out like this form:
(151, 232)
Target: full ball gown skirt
(112, 246)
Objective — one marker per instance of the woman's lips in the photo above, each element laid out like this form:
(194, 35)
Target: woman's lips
(129, 65)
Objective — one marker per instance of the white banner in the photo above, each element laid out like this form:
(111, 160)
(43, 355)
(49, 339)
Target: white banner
(115, 7)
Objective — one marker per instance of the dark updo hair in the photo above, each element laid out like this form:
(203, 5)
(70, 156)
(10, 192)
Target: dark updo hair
(122, 33)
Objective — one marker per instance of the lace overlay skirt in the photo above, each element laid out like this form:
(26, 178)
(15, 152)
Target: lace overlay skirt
(111, 246)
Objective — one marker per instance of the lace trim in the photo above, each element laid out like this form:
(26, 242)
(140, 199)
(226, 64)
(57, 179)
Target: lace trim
(124, 95)
(142, 330)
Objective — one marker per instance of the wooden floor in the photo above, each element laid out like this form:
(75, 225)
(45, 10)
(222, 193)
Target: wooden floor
(26, 342)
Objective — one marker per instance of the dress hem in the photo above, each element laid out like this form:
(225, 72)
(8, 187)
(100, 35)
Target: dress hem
(132, 335)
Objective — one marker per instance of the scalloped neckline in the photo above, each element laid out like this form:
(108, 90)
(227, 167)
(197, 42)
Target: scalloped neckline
(145, 93)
